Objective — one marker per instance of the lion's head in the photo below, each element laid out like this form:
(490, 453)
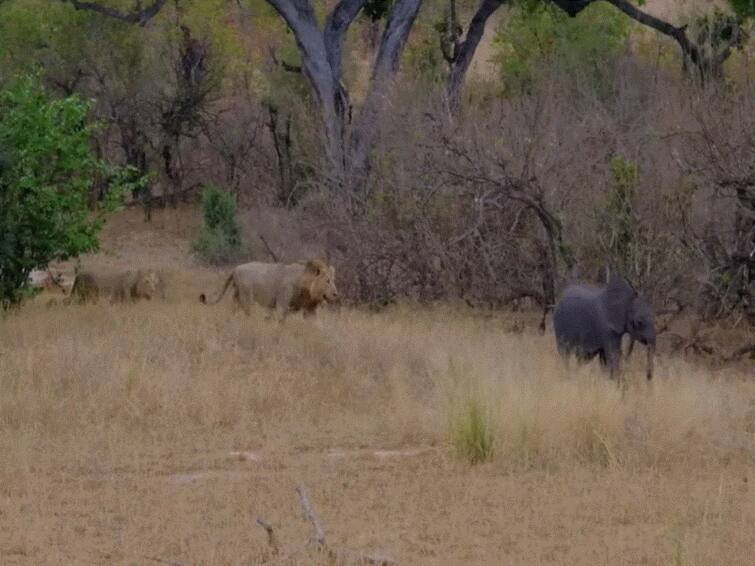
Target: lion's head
(150, 285)
(321, 281)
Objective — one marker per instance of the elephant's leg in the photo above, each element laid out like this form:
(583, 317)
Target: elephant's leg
(603, 358)
(565, 355)
(631, 347)
(612, 349)
(585, 358)
(612, 361)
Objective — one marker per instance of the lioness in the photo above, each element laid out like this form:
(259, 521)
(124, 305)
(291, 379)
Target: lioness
(48, 280)
(298, 286)
(131, 284)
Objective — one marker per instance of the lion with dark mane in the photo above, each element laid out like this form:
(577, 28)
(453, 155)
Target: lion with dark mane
(292, 287)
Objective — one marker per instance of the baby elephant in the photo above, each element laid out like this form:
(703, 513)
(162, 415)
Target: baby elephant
(591, 320)
(119, 286)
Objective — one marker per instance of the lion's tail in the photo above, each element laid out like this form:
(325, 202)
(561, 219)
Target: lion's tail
(203, 297)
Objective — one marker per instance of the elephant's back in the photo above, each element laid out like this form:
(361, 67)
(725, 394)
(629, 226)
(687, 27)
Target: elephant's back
(576, 318)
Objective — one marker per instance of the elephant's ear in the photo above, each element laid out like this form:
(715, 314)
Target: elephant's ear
(619, 298)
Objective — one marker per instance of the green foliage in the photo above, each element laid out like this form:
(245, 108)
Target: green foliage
(719, 31)
(538, 38)
(45, 183)
(744, 9)
(422, 58)
(472, 432)
(377, 9)
(619, 226)
(130, 62)
(220, 240)
(36, 33)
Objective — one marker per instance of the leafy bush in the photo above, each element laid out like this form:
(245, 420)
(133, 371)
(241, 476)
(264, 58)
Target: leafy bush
(537, 37)
(620, 224)
(743, 8)
(220, 240)
(47, 172)
(472, 432)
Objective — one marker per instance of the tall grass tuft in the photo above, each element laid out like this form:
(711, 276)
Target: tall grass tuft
(472, 432)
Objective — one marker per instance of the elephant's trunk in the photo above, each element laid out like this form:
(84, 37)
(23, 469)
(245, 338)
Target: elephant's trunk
(651, 360)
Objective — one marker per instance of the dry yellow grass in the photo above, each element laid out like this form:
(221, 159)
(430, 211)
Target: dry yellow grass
(165, 429)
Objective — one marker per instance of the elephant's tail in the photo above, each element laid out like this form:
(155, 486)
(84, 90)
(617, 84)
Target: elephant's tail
(203, 297)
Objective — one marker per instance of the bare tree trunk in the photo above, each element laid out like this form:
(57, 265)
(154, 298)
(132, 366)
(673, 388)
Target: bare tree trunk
(467, 49)
(321, 64)
(394, 38)
(321, 54)
(282, 145)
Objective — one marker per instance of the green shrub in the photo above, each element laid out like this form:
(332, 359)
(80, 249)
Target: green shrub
(47, 170)
(214, 247)
(538, 38)
(743, 8)
(620, 223)
(220, 240)
(472, 433)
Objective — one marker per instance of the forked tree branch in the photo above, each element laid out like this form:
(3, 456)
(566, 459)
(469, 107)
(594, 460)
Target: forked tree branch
(318, 535)
(137, 15)
(677, 33)
(336, 26)
(272, 540)
(468, 47)
(397, 28)
(487, 8)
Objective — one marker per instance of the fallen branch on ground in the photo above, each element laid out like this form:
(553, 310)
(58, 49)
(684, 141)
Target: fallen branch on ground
(318, 535)
(271, 538)
(317, 540)
(741, 352)
(163, 561)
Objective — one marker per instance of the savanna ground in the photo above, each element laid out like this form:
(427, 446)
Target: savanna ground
(164, 430)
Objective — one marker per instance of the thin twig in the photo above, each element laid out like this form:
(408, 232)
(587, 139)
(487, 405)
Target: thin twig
(318, 535)
(267, 247)
(740, 352)
(318, 540)
(163, 561)
(138, 15)
(271, 538)
(372, 559)
(285, 557)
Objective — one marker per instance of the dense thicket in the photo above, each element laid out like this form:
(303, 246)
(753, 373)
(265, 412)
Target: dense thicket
(588, 133)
